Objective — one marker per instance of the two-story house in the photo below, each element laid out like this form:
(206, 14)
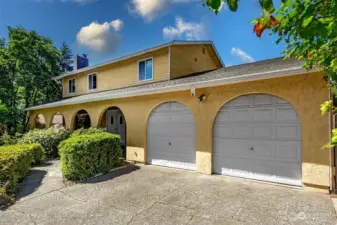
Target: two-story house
(177, 105)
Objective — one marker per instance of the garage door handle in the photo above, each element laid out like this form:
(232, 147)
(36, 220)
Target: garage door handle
(251, 148)
(169, 143)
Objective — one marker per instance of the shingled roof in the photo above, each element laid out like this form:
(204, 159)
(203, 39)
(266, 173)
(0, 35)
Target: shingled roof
(246, 72)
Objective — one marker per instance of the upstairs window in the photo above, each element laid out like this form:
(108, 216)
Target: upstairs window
(145, 70)
(71, 86)
(92, 81)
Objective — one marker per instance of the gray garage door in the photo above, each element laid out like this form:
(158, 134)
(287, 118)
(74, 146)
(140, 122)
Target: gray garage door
(258, 137)
(171, 136)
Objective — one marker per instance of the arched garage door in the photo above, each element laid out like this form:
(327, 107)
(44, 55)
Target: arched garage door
(171, 136)
(258, 137)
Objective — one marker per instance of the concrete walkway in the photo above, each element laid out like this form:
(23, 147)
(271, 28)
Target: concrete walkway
(154, 195)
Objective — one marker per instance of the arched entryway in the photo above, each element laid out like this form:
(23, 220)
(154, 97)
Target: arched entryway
(58, 121)
(258, 136)
(40, 122)
(82, 120)
(171, 136)
(113, 121)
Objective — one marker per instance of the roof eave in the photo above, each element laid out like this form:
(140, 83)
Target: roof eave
(180, 87)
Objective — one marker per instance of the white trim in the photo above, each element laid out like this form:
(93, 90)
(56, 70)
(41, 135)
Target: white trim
(142, 60)
(90, 74)
(71, 93)
(140, 53)
(181, 87)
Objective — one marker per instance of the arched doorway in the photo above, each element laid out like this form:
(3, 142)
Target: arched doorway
(82, 120)
(258, 136)
(58, 121)
(171, 138)
(113, 121)
(40, 122)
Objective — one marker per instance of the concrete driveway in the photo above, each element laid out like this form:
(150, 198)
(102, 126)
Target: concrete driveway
(154, 195)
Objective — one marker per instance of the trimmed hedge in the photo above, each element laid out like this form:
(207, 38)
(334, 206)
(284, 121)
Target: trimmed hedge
(48, 138)
(15, 163)
(91, 130)
(84, 156)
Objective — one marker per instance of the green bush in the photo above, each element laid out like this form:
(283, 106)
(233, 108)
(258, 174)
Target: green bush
(15, 163)
(48, 138)
(7, 139)
(87, 155)
(91, 130)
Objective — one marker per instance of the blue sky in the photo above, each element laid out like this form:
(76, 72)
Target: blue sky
(106, 29)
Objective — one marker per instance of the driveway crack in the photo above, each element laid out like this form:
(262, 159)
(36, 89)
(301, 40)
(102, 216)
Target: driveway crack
(132, 218)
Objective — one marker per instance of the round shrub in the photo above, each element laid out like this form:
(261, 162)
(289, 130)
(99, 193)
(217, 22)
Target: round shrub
(91, 130)
(15, 162)
(48, 138)
(86, 155)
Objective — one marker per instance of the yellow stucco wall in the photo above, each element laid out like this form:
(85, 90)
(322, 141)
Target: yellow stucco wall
(120, 74)
(305, 92)
(188, 59)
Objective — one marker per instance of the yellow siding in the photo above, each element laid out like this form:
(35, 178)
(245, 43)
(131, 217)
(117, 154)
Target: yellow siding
(121, 74)
(304, 92)
(188, 59)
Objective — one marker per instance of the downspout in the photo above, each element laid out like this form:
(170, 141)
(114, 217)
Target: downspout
(330, 149)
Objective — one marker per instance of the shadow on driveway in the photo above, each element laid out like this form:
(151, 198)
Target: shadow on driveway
(31, 183)
(113, 174)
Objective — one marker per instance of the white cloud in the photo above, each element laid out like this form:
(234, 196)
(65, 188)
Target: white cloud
(117, 24)
(243, 55)
(149, 9)
(100, 38)
(185, 30)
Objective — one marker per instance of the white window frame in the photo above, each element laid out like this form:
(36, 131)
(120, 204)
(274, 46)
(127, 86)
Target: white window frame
(74, 79)
(91, 74)
(142, 60)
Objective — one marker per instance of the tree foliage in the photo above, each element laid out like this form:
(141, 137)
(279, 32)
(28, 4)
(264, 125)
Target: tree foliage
(28, 62)
(66, 58)
(309, 29)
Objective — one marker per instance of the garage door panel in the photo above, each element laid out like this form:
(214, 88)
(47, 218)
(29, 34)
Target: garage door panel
(184, 118)
(267, 132)
(224, 116)
(241, 101)
(291, 132)
(289, 151)
(264, 115)
(258, 137)
(286, 114)
(241, 115)
(286, 173)
(171, 137)
(261, 99)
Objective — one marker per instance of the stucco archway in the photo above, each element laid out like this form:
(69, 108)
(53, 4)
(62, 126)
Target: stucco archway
(81, 120)
(40, 121)
(114, 121)
(258, 136)
(57, 121)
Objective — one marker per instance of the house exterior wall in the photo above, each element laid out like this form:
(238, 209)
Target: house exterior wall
(120, 74)
(304, 92)
(188, 59)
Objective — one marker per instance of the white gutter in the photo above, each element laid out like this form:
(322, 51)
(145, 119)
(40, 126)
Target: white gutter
(141, 53)
(173, 88)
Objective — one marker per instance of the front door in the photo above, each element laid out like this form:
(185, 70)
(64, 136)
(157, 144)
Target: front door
(111, 118)
(116, 123)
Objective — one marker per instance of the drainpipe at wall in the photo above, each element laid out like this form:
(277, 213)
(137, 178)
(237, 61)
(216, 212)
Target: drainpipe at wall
(330, 149)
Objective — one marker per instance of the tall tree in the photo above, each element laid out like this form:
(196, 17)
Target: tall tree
(66, 58)
(28, 61)
(309, 29)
